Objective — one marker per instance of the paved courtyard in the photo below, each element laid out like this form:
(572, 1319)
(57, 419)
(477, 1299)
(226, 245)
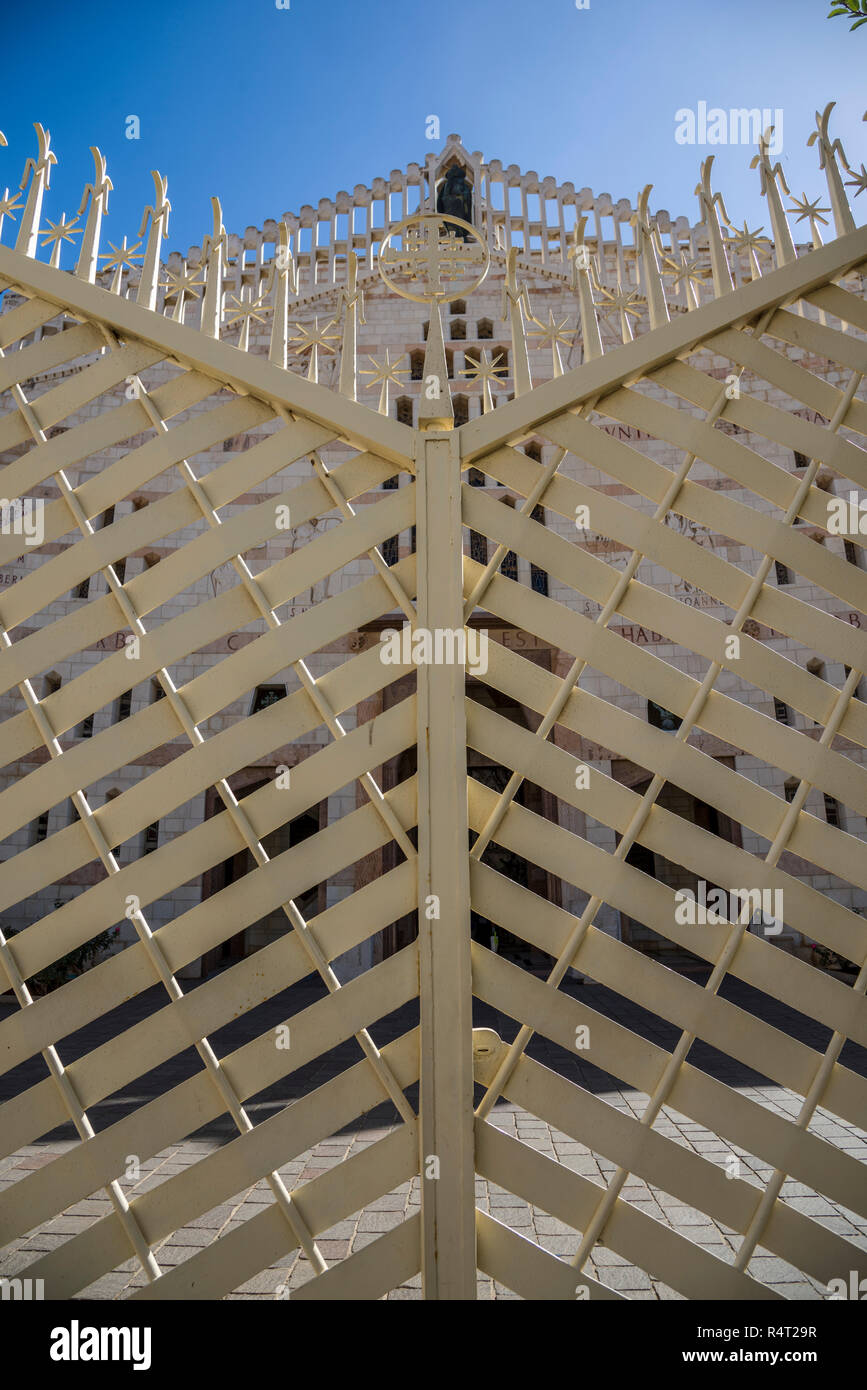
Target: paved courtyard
(387, 1212)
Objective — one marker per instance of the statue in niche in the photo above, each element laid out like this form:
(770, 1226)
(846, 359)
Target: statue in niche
(455, 198)
(662, 718)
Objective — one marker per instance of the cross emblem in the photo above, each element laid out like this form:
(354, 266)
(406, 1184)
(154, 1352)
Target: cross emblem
(433, 259)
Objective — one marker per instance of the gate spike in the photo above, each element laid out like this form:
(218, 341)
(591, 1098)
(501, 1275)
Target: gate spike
(516, 298)
(712, 206)
(158, 216)
(40, 167)
(580, 258)
(844, 222)
(284, 278)
(352, 300)
(97, 192)
(215, 259)
(784, 246)
(646, 242)
(436, 411)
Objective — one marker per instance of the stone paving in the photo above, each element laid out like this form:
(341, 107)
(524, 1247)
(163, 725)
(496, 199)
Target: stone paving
(388, 1211)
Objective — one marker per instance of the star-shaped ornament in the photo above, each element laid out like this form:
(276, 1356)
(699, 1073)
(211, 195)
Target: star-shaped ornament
(121, 256)
(551, 333)
(745, 240)
(804, 208)
(246, 311)
(57, 233)
(310, 336)
(859, 181)
(185, 282)
(621, 301)
(382, 373)
(10, 205)
(485, 369)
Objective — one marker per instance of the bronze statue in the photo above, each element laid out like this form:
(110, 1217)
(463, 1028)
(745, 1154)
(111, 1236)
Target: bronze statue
(455, 198)
(662, 718)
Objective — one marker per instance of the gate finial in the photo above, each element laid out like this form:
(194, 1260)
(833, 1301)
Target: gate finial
(579, 255)
(157, 214)
(515, 297)
(647, 243)
(40, 168)
(284, 279)
(215, 259)
(97, 192)
(352, 301)
(784, 247)
(844, 222)
(712, 206)
(436, 409)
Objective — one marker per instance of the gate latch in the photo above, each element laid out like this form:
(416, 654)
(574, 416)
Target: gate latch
(487, 1049)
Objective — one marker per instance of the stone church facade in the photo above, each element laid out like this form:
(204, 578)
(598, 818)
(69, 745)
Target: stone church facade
(538, 217)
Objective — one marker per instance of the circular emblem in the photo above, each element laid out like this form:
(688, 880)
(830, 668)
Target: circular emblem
(433, 256)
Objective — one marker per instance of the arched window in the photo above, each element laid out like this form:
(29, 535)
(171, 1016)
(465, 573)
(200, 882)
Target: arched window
(450, 364)
(478, 547)
(403, 409)
(461, 408)
(267, 695)
(509, 565)
(416, 366)
(458, 306)
(458, 330)
(425, 329)
(484, 329)
(538, 577)
(501, 361)
(476, 477)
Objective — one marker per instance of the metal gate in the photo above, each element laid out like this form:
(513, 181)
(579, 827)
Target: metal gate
(681, 383)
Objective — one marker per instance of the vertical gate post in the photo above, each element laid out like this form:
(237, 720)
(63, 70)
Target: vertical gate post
(445, 978)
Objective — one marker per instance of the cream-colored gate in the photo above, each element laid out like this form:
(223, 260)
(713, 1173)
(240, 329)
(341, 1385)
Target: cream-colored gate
(680, 383)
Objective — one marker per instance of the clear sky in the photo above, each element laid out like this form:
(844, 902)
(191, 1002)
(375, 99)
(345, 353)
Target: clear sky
(271, 108)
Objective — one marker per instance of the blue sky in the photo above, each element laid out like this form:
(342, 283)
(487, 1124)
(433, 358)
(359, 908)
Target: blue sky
(273, 108)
